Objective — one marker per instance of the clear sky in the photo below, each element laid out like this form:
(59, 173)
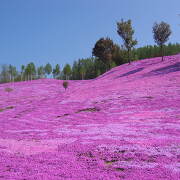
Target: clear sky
(61, 31)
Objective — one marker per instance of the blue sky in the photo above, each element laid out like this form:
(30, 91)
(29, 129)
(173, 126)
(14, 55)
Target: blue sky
(61, 31)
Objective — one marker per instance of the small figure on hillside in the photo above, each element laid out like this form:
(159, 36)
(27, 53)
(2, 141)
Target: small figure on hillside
(65, 85)
(8, 90)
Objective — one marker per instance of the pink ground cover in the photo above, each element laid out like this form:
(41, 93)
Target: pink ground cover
(124, 124)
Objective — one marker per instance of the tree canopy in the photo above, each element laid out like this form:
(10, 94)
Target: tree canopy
(161, 33)
(126, 32)
(104, 49)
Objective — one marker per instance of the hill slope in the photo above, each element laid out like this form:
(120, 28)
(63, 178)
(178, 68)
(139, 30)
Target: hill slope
(124, 124)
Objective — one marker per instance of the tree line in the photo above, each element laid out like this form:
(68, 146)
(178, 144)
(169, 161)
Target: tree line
(105, 55)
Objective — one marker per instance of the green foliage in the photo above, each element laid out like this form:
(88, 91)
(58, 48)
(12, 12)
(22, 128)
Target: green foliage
(12, 73)
(56, 71)
(161, 33)
(104, 49)
(126, 32)
(41, 72)
(30, 71)
(67, 71)
(82, 72)
(22, 72)
(119, 55)
(84, 69)
(113, 64)
(48, 69)
(154, 51)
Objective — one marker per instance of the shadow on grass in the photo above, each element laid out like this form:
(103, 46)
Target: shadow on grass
(165, 70)
(130, 72)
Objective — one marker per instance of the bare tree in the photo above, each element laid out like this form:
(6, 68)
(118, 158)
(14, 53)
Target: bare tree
(161, 32)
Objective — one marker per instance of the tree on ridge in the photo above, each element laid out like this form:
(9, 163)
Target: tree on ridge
(104, 49)
(161, 33)
(126, 32)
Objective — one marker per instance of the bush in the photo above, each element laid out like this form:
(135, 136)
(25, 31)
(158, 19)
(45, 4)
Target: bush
(65, 85)
(8, 89)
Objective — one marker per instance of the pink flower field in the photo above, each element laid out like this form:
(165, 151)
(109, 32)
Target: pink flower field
(125, 124)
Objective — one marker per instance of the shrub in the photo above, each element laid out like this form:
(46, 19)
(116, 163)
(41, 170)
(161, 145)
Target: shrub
(8, 89)
(65, 85)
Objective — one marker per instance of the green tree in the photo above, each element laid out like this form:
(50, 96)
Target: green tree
(41, 72)
(82, 72)
(4, 73)
(56, 71)
(126, 32)
(67, 71)
(75, 70)
(104, 49)
(22, 71)
(27, 72)
(30, 71)
(12, 73)
(48, 69)
(161, 33)
(119, 55)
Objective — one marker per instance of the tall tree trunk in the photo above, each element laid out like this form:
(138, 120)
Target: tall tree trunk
(10, 77)
(162, 53)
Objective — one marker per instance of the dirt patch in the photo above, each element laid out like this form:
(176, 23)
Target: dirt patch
(148, 97)
(9, 107)
(64, 115)
(88, 110)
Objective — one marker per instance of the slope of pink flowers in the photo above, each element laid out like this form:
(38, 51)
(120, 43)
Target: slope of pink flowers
(124, 124)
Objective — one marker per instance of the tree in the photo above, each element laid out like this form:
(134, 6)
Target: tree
(10, 72)
(30, 71)
(4, 73)
(119, 55)
(8, 90)
(161, 33)
(65, 85)
(75, 70)
(82, 72)
(67, 71)
(48, 69)
(56, 71)
(22, 71)
(104, 49)
(27, 72)
(41, 72)
(126, 32)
